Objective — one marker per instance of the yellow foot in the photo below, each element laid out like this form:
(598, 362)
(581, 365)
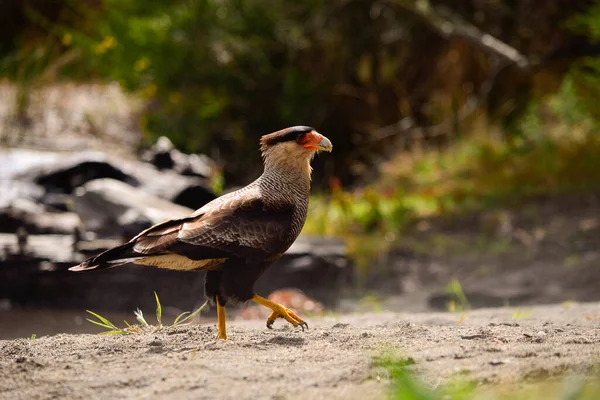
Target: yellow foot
(280, 311)
(289, 316)
(221, 336)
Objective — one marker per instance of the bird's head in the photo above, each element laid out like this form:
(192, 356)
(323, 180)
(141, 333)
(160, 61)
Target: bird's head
(301, 141)
(293, 147)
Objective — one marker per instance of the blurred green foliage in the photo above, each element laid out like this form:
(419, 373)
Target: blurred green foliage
(407, 384)
(557, 153)
(217, 74)
(365, 210)
(206, 66)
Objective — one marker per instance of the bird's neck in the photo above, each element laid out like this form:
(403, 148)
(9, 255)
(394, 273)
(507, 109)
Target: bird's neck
(287, 177)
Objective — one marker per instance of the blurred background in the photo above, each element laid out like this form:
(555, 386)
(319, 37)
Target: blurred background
(465, 171)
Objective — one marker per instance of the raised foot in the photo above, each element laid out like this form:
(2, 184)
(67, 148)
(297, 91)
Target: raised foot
(289, 316)
(280, 311)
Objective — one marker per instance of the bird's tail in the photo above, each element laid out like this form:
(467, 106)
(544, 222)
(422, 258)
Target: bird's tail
(114, 257)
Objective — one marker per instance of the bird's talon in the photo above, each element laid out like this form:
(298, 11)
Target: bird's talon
(280, 311)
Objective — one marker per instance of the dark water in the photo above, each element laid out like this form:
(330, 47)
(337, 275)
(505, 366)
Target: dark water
(23, 323)
(27, 322)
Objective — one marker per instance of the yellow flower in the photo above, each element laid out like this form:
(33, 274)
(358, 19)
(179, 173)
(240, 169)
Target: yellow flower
(106, 44)
(149, 90)
(175, 98)
(67, 39)
(141, 64)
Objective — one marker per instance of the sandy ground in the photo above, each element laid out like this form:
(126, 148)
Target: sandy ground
(332, 360)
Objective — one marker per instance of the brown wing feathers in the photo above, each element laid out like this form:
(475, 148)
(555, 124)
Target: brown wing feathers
(159, 237)
(240, 228)
(250, 229)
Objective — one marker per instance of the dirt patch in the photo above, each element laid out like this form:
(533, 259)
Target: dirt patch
(334, 359)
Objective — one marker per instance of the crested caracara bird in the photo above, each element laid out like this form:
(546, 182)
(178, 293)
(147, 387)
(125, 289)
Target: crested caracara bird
(237, 236)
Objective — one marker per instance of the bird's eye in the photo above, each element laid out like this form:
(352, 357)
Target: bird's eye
(301, 137)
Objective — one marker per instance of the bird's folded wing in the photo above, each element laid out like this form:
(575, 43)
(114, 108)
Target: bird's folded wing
(242, 228)
(159, 237)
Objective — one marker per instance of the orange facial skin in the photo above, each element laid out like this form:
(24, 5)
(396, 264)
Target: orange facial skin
(314, 141)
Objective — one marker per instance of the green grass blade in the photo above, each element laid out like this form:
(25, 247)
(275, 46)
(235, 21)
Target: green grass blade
(189, 317)
(116, 332)
(179, 317)
(158, 309)
(100, 324)
(102, 320)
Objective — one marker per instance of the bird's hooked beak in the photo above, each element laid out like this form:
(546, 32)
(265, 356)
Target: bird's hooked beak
(317, 142)
(325, 145)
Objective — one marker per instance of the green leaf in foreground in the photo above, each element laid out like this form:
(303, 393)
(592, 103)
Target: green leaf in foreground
(407, 384)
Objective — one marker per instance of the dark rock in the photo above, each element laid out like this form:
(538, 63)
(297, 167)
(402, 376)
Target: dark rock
(35, 218)
(66, 178)
(65, 173)
(161, 154)
(110, 207)
(186, 191)
(194, 196)
(164, 155)
(73, 170)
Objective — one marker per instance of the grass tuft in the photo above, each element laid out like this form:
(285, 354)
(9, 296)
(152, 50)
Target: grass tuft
(458, 301)
(519, 314)
(143, 326)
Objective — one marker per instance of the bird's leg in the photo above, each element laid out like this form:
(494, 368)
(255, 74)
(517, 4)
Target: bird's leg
(279, 311)
(221, 320)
